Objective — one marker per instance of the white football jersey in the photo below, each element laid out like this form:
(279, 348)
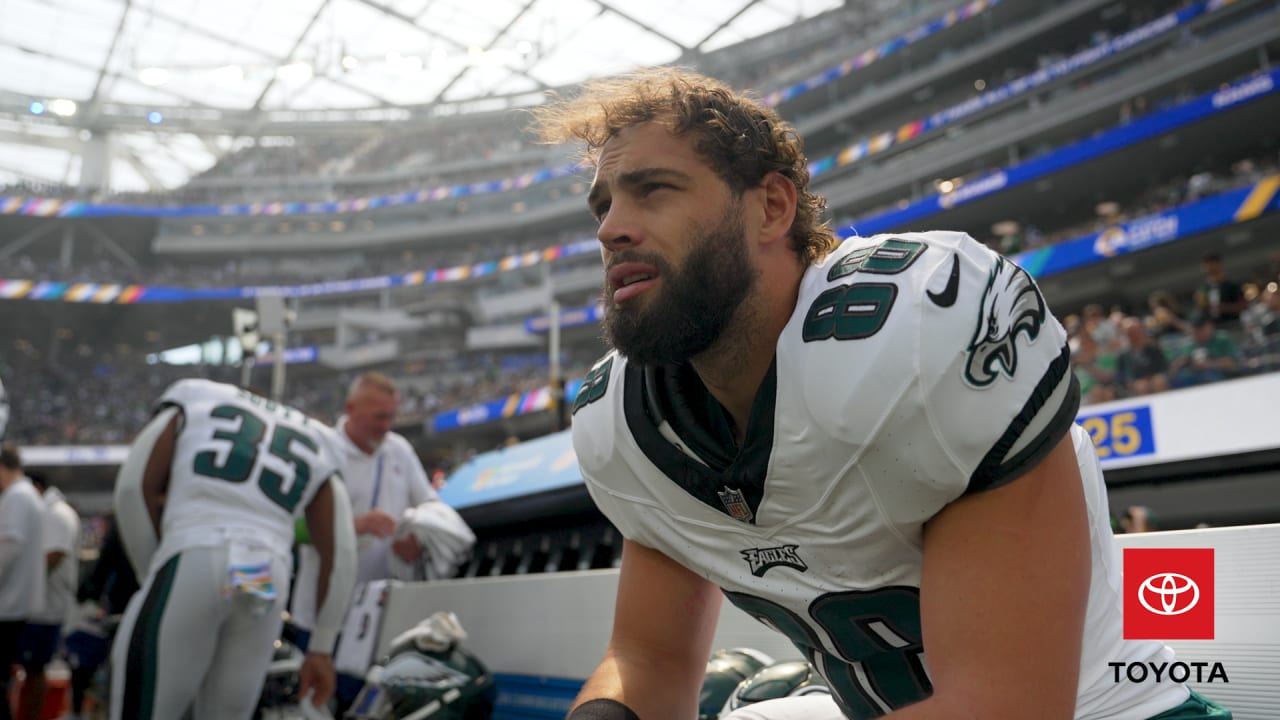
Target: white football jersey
(241, 462)
(916, 368)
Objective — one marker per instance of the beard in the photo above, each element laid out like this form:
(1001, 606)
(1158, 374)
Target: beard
(692, 306)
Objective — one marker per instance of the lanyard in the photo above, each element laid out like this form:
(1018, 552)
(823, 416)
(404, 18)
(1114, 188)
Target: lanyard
(377, 482)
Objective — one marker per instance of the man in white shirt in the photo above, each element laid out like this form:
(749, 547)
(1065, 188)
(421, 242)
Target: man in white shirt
(40, 636)
(21, 560)
(384, 479)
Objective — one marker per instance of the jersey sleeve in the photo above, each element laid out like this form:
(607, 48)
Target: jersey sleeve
(995, 366)
(597, 422)
(178, 395)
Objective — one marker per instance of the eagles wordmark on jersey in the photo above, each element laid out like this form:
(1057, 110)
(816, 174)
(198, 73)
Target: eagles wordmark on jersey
(915, 369)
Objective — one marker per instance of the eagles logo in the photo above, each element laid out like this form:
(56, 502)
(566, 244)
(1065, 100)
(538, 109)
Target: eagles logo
(1011, 304)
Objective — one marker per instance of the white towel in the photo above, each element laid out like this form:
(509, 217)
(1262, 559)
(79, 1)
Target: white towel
(444, 537)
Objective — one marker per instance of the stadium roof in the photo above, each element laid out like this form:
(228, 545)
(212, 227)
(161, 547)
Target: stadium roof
(68, 62)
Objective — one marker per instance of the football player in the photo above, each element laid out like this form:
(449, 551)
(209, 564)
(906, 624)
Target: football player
(868, 446)
(218, 478)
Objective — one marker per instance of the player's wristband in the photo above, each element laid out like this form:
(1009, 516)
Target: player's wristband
(602, 710)
(322, 641)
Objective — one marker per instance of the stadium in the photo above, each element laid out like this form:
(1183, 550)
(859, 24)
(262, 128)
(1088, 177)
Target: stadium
(287, 197)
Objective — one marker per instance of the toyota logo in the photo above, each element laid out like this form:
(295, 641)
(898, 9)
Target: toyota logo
(1177, 593)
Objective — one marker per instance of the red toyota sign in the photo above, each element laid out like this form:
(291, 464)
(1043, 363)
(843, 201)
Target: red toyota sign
(1168, 593)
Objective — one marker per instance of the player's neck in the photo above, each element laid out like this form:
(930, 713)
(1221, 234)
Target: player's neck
(735, 366)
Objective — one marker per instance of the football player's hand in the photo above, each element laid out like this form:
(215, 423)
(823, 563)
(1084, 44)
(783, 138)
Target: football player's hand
(376, 523)
(316, 677)
(407, 548)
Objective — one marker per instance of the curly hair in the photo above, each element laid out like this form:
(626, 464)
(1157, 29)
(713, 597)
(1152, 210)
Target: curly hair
(735, 135)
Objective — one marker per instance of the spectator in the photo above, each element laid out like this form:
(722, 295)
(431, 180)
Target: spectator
(107, 589)
(1218, 297)
(1261, 321)
(1211, 356)
(1103, 328)
(1143, 368)
(21, 561)
(1094, 368)
(40, 637)
(1138, 519)
(1166, 318)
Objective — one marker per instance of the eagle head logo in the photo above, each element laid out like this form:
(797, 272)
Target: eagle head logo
(1011, 304)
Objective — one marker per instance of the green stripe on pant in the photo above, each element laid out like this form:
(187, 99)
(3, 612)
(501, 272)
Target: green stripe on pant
(140, 667)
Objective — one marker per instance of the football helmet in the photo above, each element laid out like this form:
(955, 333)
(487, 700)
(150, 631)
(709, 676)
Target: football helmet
(784, 679)
(725, 670)
(428, 675)
(281, 686)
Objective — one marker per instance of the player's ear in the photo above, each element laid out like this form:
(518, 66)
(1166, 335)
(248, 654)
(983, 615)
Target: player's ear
(779, 204)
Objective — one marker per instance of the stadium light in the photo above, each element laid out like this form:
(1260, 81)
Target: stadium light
(62, 107)
(153, 76)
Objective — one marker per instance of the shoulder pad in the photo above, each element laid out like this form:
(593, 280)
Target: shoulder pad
(597, 408)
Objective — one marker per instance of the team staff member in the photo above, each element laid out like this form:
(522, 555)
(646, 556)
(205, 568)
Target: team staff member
(870, 447)
(62, 572)
(220, 477)
(384, 477)
(108, 586)
(22, 564)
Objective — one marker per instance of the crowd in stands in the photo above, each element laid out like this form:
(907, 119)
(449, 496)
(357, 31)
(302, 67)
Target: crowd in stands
(425, 147)
(1227, 328)
(91, 264)
(798, 52)
(1206, 180)
(91, 398)
(94, 397)
(285, 157)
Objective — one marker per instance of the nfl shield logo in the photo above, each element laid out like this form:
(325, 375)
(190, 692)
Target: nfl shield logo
(736, 504)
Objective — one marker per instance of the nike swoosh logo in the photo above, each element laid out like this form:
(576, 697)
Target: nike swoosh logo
(947, 297)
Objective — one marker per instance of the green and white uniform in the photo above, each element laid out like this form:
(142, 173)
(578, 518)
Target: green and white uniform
(916, 368)
(200, 632)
